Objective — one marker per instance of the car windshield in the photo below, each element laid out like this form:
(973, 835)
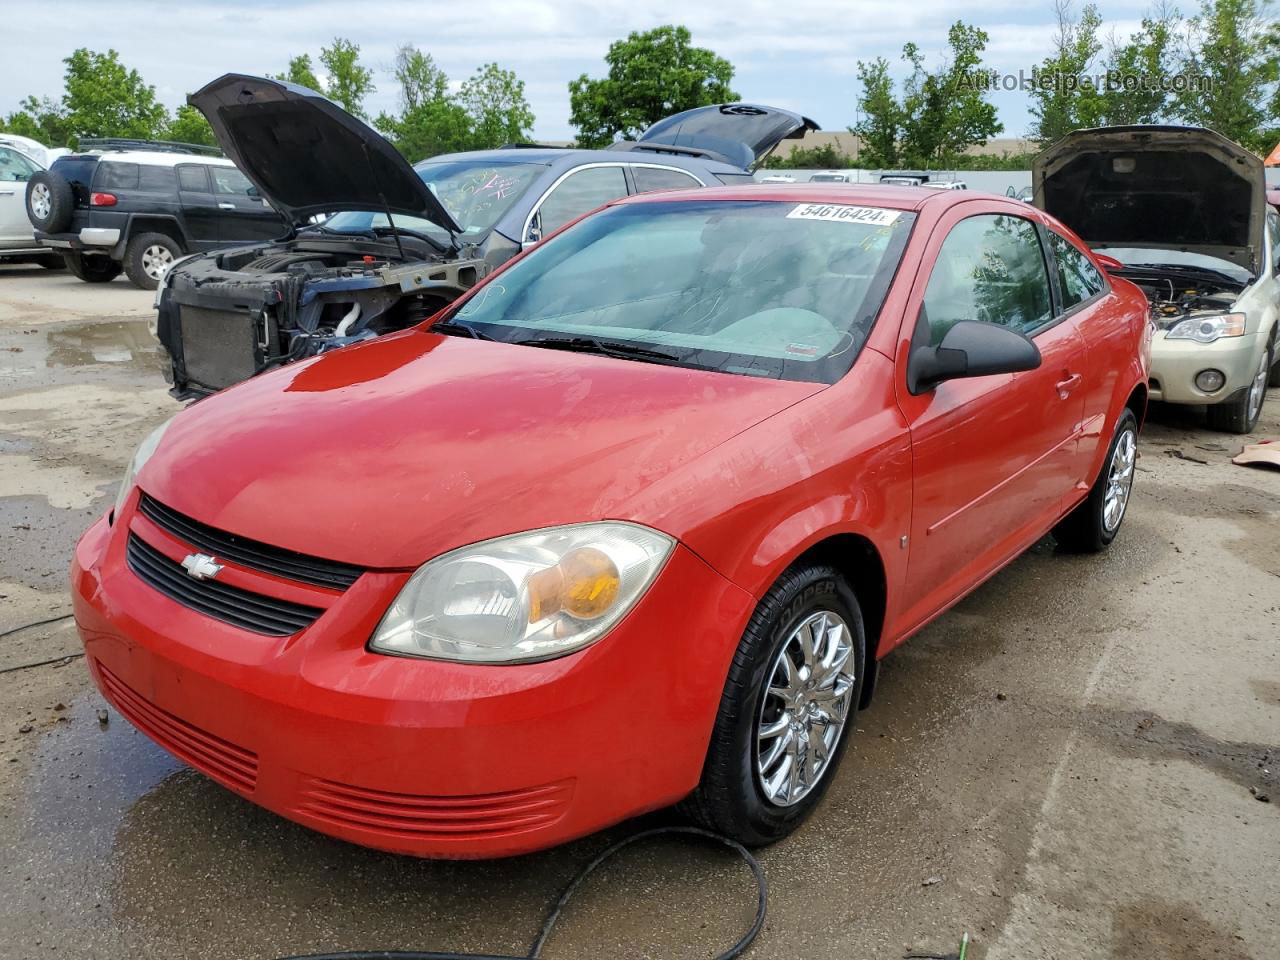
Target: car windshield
(476, 192)
(760, 288)
(1151, 257)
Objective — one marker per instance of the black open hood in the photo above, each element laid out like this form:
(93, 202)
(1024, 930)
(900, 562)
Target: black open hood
(1157, 187)
(306, 155)
(741, 134)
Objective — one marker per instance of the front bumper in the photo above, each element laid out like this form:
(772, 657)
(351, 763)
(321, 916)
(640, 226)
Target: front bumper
(1175, 363)
(414, 756)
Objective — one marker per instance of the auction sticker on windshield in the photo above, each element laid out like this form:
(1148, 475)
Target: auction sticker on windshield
(842, 213)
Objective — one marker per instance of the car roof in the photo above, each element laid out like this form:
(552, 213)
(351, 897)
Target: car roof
(872, 195)
(553, 155)
(152, 158)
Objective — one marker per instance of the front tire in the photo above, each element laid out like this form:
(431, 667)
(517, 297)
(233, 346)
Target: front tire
(1092, 525)
(148, 257)
(1240, 414)
(786, 710)
(95, 269)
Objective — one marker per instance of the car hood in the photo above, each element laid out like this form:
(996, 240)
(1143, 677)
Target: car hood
(742, 134)
(1183, 188)
(308, 156)
(389, 453)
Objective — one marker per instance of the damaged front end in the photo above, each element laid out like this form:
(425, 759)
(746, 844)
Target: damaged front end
(228, 316)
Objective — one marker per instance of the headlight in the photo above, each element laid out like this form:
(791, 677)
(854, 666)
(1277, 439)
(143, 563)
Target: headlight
(140, 457)
(526, 597)
(1208, 329)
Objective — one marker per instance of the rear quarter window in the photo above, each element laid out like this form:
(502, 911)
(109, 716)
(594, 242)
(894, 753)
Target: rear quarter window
(116, 176)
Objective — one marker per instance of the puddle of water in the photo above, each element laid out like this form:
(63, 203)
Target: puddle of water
(119, 344)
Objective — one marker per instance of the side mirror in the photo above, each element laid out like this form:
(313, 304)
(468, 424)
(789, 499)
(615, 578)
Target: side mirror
(969, 349)
(1010, 192)
(252, 191)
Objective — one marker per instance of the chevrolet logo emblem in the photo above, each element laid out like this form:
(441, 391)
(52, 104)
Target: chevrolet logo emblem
(201, 566)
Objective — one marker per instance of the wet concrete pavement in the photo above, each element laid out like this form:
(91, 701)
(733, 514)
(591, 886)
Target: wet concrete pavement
(1070, 752)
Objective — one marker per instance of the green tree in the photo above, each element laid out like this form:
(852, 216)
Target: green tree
(1060, 102)
(348, 81)
(1146, 57)
(429, 129)
(421, 80)
(103, 98)
(880, 125)
(494, 100)
(1233, 46)
(44, 119)
(189, 126)
(651, 75)
(301, 72)
(944, 112)
(824, 157)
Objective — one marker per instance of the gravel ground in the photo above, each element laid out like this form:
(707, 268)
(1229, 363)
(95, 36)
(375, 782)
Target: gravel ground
(1067, 765)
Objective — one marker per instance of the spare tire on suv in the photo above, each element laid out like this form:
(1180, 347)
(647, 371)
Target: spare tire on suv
(50, 201)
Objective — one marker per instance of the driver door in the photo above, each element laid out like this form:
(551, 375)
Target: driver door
(994, 458)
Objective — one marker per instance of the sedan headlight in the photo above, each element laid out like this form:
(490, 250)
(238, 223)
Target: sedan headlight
(526, 597)
(1208, 329)
(140, 457)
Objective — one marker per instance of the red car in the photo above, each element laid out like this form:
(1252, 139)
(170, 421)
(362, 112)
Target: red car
(631, 524)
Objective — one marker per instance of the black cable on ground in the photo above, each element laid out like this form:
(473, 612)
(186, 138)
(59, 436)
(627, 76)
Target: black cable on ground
(548, 925)
(38, 623)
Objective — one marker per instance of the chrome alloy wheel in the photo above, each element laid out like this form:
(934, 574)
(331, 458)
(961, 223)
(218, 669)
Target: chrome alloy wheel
(1258, 389)
(156, 259)
(41, 201)
(804, 708)
(1119, 480)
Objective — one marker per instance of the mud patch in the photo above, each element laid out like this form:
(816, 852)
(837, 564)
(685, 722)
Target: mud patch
(1252, 766)
(1165, 931)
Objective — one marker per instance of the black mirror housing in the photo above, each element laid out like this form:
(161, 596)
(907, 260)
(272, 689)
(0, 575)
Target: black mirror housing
(969, 349)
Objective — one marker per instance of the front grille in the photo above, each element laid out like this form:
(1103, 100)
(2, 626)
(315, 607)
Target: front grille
(249, 553)
(455, 818)
(219, 347)
(249, 611)
(230, 765)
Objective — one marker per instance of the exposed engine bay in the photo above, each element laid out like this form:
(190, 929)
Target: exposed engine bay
(224, 317)
(1177, 296)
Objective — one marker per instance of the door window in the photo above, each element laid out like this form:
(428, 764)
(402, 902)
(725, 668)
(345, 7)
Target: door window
(116, 176)
(581, 191)
(230, 180)
(991, 268)
(192, 176)
(14, 167)
(1081, 280)
(655, 178)
(1273, 225)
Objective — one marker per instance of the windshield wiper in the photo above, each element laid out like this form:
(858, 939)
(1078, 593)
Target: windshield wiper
(453, 328)
(424, 237)
(608, 348)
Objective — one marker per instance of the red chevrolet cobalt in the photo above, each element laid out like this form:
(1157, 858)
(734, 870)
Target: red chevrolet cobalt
(629, 525)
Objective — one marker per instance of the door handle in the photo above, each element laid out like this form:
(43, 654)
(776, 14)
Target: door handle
(1066, 386)
(226, 206)
(7, 193)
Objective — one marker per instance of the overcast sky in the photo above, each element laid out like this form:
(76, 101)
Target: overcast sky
(800, 54)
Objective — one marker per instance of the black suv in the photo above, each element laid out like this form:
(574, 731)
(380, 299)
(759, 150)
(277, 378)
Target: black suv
(138, 205)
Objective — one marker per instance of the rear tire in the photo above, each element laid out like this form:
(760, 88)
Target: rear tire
(50, 201)
(92, 269)
(148, 257)
(745, 793)
(1093, 524)
(1240, 414)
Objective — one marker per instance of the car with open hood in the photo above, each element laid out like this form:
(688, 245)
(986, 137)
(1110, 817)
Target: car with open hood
(1183, 211)
(630, 523)
(394, 243)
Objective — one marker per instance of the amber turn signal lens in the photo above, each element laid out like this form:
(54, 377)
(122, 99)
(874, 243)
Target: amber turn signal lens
(590, 583)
